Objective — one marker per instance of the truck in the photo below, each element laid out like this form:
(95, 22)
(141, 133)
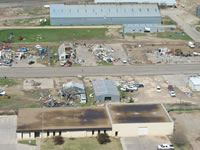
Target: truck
(171, 91)
(191, 44)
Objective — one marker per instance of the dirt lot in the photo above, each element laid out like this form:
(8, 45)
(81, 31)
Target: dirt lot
(189, 122)
(28, 92)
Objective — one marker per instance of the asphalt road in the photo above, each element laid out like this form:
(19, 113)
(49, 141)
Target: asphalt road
(100, 70)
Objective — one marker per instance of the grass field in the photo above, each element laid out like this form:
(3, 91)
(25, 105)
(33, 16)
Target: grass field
(198, 29)
(168, 21)
(52, 35)
(8, 82)
(175, 36)
(82, 144)
(28, 142)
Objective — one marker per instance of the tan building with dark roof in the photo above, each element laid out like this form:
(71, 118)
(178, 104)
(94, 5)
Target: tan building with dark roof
(121, 120)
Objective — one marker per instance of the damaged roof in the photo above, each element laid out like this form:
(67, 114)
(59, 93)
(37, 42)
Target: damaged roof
(66, 118)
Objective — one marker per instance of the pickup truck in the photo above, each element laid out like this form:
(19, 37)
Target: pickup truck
(171, 91)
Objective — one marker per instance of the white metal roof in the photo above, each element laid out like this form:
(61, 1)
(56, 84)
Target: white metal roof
(167, 2)
(104, 10)
(105, 87)
(195, 80)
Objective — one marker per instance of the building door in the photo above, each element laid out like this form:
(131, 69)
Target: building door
(142, 131)
(37, 134)
(107, 99)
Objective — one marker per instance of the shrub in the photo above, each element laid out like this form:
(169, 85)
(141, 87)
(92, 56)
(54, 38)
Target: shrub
(58, 140)
(103, 138)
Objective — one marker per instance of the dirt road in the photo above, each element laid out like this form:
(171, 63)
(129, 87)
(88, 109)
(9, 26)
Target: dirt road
(183, 19)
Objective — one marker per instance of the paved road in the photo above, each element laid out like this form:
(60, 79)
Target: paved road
(100, 70)
(178, 16)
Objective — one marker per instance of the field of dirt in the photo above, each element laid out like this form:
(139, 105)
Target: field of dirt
(189, 123)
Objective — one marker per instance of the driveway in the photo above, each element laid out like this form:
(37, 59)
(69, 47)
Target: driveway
(143, 143)
(8, 136)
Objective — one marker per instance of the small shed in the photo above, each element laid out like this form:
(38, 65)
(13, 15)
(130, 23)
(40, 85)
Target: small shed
(198, 11)
(65, 51)
(105, 90)
(194, 83)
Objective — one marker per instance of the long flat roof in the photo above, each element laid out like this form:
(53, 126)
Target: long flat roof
(137, 113)
(66, 118)
(160, 2)
(104, 10)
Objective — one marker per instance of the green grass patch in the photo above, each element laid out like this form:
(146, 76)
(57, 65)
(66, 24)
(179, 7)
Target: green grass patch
(7, 82)
(33, 106)
(136, 34)
(198, 29)
(52, 35)
(90, 100)
(104, 63)
(123, 94)
(184, 109)
(47, 23)
(168, 21)
(175, 36)
(28, 142)
(82, 144)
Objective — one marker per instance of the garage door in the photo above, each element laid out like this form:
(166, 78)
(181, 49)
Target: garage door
(142, 131)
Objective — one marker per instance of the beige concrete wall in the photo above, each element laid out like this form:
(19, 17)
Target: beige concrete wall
(154, 129)
(19, 136)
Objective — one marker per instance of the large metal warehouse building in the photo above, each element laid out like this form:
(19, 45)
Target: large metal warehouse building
(159, 2)
(61, 14)
(105, 90)
(119, 120)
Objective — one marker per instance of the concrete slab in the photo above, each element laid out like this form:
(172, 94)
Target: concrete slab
(8, 136)
(143, 143)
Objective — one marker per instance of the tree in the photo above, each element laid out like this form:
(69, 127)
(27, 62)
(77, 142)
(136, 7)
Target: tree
(103, 138)
(58, 140)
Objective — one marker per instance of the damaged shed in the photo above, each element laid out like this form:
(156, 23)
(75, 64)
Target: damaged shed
(105, 90)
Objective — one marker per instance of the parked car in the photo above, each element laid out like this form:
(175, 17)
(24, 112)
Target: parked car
(7, 64)
(158, 89)
(131, 88)
(31, 62)
(172, 93)
(124, 60)
(138, 85)
(165, 147)
(2, 92)
(170, 88)
(123, 89)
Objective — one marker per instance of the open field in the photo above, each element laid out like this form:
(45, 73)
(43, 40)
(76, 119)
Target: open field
(82, 144)
(52, 35)
(189, 124)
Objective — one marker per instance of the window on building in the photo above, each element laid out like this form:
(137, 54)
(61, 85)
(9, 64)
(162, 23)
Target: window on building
(92, 132)
(37, 134)
(116, 133)
(107, 99)
(47, 133)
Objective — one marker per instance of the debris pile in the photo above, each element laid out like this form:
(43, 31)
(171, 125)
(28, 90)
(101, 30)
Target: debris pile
(101, 52)
(72, 91)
